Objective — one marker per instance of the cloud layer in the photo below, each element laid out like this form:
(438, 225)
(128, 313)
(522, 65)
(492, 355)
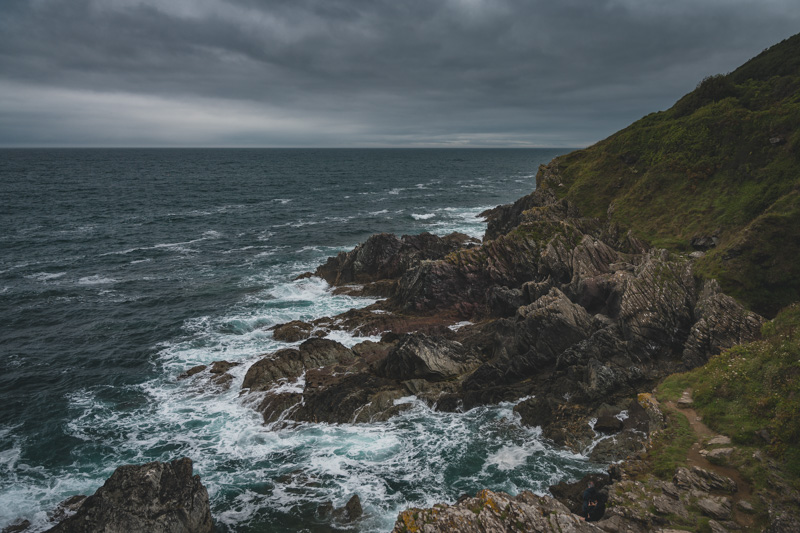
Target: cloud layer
(360, 72)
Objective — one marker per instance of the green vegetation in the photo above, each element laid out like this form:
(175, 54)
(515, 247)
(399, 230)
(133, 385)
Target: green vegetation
(723, 161)
(670, 446)
(752, 394)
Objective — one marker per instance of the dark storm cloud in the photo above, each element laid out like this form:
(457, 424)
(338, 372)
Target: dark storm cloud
(333, 73)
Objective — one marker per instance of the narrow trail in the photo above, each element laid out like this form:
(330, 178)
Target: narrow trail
(695, 458)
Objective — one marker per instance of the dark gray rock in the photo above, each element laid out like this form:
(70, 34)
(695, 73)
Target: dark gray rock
(17, 526)
(351, 511)
(721, 322)
(571, 494)
(503, 301)
(67, 508)
(293, 331)
(715, 507)
(703, 480)
(417, 355)
(384, 256)
(290, 363)
(192, 371)
(154, 497)
(618, 447)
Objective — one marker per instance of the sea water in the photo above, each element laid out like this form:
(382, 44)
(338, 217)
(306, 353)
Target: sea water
(120, 269)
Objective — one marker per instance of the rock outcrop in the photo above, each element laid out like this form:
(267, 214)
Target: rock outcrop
(154, 497)
(494, 512)
(384, 256)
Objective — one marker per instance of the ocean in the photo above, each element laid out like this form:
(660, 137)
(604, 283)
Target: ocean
(122, 268)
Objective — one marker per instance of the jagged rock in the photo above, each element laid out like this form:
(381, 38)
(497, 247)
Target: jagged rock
(716, 527)
(192, 371)
(608, 424)
(384, 256)
(533, 339)
(715, 507)
(67, 508)
(721, 323)
(494, 512)
(704, 480)
(290, 363)
(351, 511)
(617, 447)
(432, 358)
(669, 506)
(503, 301)
(656, 311)
(503, 218)
(274, 406)
(293, 331)
(351, 398)
(154, 497)
(644, 414)
(571, 494)
(745, 506)
(783, 521)
(17, 526)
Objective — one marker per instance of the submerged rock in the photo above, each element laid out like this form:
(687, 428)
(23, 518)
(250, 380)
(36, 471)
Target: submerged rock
(154, 497)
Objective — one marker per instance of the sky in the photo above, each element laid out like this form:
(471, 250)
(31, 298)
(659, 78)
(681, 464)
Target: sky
(361, 73)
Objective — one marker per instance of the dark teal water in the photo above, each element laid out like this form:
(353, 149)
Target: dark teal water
(122, 268)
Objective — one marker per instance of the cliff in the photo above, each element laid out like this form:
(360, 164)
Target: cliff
(718, 172)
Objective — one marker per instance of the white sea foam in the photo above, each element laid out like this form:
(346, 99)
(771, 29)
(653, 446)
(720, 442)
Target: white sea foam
(459, 325)
(96, 279)
(46, 276)
(422, 216)
(509, 457)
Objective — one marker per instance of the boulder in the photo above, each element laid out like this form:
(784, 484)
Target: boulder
(192, 371)
(571, 494)
(618, 447)
(290, 363)
(351, 511)
(293, 331)
(715, 507)
(417, 355)
(155, 497)
(703, 480)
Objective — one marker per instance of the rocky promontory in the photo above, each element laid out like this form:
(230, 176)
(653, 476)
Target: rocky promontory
(155, 497)
(565, 309)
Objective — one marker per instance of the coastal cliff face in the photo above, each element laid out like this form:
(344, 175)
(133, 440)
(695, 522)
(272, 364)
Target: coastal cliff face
(718, 172)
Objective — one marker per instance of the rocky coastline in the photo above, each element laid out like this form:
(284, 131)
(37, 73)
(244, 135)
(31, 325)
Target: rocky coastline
(568, 313)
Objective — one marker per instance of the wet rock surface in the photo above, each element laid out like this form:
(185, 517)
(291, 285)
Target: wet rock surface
(154, 497)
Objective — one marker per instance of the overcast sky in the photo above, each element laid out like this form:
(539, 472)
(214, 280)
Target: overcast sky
(361, 72)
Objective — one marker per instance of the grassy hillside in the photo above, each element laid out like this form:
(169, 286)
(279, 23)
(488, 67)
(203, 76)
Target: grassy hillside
(724, 161)
(752, 393)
